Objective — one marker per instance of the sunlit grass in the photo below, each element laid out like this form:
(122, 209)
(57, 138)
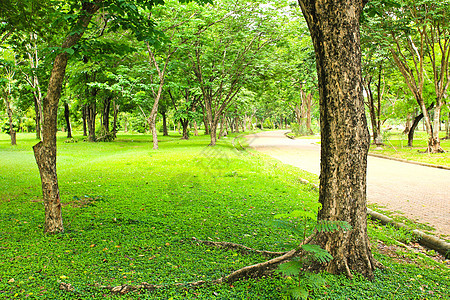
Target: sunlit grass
(130, 213)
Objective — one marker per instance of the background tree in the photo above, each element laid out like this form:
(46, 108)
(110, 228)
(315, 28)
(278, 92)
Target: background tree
(417, 36)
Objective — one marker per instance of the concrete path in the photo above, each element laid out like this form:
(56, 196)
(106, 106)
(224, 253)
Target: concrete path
(417, 192)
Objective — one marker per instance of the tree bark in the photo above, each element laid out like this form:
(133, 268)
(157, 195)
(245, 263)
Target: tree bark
(334, 27)
(205, 121)
(222, 127)
(66, 117)
(38, 118)
(408, 123)
(12, 132)
(84, 117)
(308, 113)
(195, 128)
(45, 151)
(164, 116)
(105, 113)
(213, 134)
(413, 128)
(115, 115)
(91, 112)
(184, 124)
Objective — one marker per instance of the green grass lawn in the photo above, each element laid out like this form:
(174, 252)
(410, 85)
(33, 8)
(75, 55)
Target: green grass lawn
(396, 146)
(130, 214)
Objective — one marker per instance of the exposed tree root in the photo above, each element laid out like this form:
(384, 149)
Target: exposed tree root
(253, 271)
(238, 247)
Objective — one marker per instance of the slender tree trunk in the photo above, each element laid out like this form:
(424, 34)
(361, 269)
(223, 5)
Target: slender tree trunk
(408, 123)
(236, 124)
(372, 113)
(334, 27)
(413, 128)
(308, 114)
(84, 117)
(434, 144)
(45, 151)
(105, 113)
(67, 118)
(90, 120)
(115, 115)
(195, 128)
(205, 121)
(184, 124)
(12, 132)
(213, 133)
(38, 118)
(164, 116)
(222, 127)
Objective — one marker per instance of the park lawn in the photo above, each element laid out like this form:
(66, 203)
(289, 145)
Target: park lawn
(396, 147)
(130, 214)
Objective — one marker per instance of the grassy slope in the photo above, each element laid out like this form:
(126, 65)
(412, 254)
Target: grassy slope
(396, 146)
(130, 212)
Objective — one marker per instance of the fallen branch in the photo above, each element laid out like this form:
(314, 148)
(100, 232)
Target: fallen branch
(256, 270)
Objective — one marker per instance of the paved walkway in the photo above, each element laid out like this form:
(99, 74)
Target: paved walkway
(417, 192)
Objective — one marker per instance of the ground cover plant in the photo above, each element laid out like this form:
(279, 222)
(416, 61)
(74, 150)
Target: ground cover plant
(395, 145)
(130, 214)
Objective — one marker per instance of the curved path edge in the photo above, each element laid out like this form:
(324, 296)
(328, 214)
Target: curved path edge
(394, 158)
(409, 161)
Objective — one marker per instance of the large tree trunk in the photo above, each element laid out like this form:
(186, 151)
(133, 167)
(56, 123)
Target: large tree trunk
(45, 151)
(334, 27)
(67, 119)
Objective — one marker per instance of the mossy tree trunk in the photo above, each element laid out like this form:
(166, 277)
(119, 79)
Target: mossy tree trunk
(334, 27)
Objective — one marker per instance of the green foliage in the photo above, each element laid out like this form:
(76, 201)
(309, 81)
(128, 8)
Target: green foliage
(331, 226)
(311, 252)
(299, 130)
(103, 136)
(6, 126)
